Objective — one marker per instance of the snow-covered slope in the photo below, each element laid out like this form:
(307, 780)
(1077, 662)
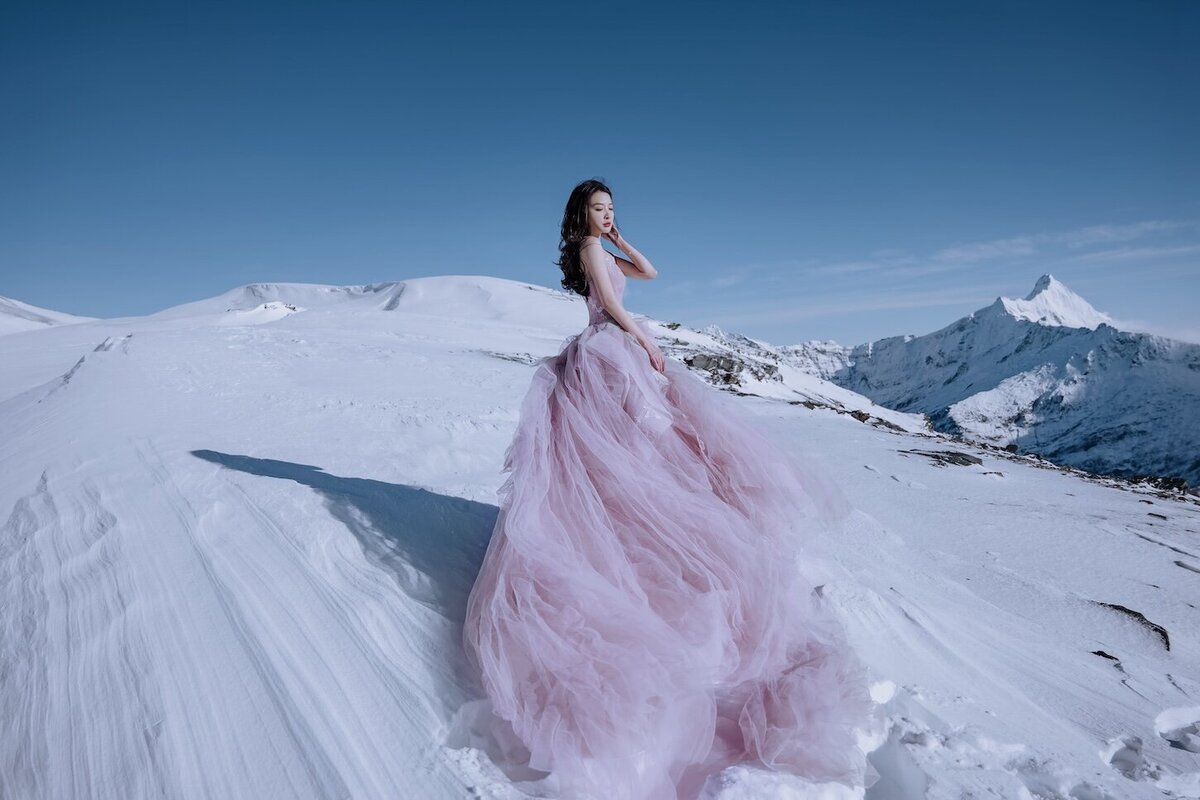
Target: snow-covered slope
(1052, 375)
(730, 361)
(234, 560)
(18, 317)
(749, 366)
(821, 358)
(475, 296)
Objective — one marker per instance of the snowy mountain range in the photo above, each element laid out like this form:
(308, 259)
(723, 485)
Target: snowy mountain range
(237, 537)
(1048, 374)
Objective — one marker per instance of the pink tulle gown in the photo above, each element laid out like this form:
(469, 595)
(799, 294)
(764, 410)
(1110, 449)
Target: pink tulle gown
(642, 617)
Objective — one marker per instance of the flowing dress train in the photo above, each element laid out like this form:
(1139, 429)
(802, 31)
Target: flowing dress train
(642, 616)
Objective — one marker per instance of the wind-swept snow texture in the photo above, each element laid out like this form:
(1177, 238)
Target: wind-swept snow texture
(1052, 375)
(236, 541)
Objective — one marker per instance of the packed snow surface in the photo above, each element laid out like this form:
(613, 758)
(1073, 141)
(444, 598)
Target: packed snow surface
(238, 537)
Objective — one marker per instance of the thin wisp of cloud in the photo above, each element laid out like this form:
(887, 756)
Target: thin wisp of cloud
(899, 265)
(774, 310)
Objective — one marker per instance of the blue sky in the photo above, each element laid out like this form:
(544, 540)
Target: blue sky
(794, 170)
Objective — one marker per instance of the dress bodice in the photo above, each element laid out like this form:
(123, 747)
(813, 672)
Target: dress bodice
(596, 310)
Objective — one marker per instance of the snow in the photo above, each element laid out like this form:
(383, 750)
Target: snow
(1052, 303)
(17, 317)
(1048, 375)
(821, 358)
(977, 414)
(237, 543)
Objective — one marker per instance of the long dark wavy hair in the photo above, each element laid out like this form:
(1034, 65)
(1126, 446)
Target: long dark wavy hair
(574, 228)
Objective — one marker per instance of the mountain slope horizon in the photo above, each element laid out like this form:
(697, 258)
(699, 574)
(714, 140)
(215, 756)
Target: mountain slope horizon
(18, 317)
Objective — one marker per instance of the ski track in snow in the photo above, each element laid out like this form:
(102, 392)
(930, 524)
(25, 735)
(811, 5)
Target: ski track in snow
(234, 560)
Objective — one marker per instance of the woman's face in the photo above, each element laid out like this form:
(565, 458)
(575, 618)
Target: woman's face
(600, 213)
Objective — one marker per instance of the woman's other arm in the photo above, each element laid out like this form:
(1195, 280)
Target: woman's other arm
(637, 265)
(592, 256)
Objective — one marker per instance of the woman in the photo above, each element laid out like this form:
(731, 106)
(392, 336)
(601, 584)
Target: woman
(641, 618)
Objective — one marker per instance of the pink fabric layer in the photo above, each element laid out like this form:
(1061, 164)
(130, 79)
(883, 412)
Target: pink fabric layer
(642, 617)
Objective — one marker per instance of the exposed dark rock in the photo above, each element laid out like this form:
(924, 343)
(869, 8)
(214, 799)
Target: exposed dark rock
(1141, 620)
(520, 358)
(944, 457)
(1116, 661)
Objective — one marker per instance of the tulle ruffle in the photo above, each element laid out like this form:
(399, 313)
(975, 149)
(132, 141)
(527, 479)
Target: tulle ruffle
(642, 617)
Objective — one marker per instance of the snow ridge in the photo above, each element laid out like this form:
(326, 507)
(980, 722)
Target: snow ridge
(18, 317)
(1052, 303)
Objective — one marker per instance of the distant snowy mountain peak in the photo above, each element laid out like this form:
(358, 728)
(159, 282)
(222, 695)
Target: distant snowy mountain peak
(1052, 303)
(18, 317)
(1048, 374)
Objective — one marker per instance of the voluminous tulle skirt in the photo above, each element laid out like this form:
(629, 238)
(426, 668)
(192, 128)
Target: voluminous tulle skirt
(642, 617)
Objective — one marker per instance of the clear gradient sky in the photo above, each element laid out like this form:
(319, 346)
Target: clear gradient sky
(794, 170)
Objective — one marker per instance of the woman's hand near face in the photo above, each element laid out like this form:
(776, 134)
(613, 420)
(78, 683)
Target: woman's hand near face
(637, 264)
